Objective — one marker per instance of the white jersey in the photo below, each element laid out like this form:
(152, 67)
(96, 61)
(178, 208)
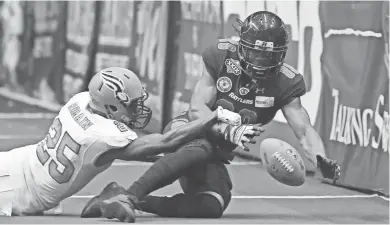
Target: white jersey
(63, 163)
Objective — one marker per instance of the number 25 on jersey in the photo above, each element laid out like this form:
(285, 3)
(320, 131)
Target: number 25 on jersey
(54, 141)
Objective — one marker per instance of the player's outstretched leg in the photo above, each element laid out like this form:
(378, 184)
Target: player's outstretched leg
(92, 209)
(183, 206)
(207, 194)
(162, 173)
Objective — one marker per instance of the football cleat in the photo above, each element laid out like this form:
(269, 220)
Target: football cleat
(120, 207)
(92, 208)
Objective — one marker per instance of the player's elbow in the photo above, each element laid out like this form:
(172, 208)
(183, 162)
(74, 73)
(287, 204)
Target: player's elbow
(198, 110)
(193, 112)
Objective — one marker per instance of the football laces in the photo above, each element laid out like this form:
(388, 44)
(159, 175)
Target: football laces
(285, 164)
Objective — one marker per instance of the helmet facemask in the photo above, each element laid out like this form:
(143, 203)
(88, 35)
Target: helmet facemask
(138, 115)
(260, 62)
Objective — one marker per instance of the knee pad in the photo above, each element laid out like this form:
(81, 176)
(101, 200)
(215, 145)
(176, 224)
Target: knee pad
(211, 204)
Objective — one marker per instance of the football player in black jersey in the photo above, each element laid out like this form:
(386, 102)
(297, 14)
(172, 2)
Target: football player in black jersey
(248, 77)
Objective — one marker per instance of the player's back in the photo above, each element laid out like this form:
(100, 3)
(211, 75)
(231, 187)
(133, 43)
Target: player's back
(63, 163)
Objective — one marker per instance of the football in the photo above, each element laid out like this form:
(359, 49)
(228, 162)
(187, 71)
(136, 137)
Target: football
(283, 162)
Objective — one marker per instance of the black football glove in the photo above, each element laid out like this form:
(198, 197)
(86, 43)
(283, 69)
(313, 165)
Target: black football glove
(328, 168)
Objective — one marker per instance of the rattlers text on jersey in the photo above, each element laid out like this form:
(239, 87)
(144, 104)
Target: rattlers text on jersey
(236, 92)
(44, 174)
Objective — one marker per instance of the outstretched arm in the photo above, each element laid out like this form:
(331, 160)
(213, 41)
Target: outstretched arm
(200, 113)
(311, 142)
(154, 144)
(299, 121)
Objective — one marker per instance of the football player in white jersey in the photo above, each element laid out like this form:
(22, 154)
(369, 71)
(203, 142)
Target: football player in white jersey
(91, 130)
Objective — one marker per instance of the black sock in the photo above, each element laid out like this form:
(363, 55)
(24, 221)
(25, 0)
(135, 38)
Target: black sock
(182, 206)
(168, 169)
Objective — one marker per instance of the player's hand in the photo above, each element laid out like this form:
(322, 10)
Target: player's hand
(243, 134)
(228, 116)
(328, 168)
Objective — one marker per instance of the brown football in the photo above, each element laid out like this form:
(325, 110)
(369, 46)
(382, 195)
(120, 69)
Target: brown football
(283, 162)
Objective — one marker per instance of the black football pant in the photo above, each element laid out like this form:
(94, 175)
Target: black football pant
(206, 188)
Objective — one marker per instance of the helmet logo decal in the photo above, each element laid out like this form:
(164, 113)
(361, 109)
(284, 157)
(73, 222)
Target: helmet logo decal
(264, 44)
(224, 84)
(117, 86)
(232, 67)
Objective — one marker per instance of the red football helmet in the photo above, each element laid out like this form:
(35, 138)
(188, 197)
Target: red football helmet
(263, 44)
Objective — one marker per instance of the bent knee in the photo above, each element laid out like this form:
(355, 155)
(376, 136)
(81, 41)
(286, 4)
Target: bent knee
(212, 204)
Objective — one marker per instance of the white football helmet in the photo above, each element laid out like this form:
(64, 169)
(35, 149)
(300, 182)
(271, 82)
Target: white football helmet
(118, 94)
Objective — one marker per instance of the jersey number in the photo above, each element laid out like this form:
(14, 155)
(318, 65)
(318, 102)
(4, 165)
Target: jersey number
(64, 142)
(248, 116)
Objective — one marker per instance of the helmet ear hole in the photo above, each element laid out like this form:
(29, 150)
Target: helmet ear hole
(113, 108)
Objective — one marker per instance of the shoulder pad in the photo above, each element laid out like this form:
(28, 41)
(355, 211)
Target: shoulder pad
(288, 71)
(121, 126)
(119, 135)
(214, 55)
(120, 141)
(291, 84)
